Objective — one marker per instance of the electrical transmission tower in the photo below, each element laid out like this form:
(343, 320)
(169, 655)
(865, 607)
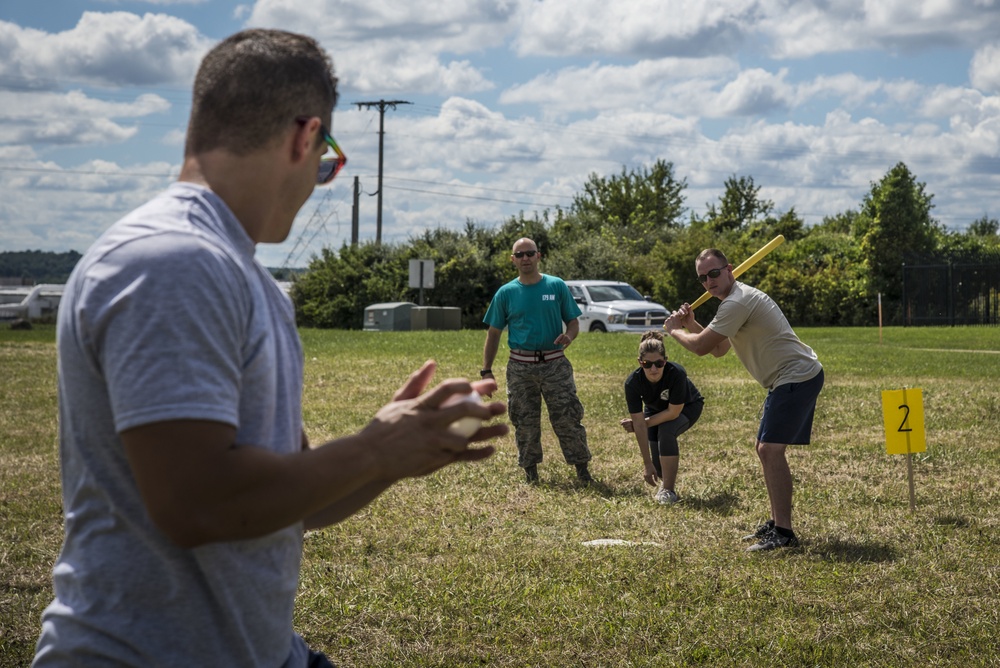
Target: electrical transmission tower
(381, 104)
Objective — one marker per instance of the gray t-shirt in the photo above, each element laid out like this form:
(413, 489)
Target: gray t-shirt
(763, 339)
(169, 317)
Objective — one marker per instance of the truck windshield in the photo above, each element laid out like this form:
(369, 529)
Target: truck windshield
(610, 293)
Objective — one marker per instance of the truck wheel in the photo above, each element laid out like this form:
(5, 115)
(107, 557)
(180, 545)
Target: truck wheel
(598, 327)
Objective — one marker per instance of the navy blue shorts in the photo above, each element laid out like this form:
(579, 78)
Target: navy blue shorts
(788, 412)
(318, 660)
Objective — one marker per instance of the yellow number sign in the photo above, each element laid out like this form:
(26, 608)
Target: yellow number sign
(903, 414)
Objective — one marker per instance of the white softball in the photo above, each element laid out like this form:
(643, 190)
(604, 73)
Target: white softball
(466, 426)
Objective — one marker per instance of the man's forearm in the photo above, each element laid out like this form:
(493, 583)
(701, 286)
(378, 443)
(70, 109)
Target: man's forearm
(687, 339)
(244, 492)
(490, 348)
(573, 329)
(697, 339)
(347, 506)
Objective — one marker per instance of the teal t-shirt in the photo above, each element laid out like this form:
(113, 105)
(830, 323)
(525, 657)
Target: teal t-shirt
(534, 315)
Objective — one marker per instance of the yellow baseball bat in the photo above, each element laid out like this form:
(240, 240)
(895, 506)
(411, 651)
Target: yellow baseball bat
(746, 264)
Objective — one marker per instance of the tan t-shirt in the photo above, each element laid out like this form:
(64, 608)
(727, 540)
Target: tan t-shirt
(763, 339)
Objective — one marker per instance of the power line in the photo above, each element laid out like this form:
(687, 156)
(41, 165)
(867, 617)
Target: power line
(486, 199)
(486, 188)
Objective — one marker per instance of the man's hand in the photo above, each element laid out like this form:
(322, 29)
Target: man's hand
(412, 430)
(626, 423)
(686, 314)
(410, 437)
(572, 331)
(682, 318)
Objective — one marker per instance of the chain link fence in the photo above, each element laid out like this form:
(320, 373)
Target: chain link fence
(959, 289)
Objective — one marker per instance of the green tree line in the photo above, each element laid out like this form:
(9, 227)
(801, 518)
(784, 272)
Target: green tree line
(35, 266)
(634, 226)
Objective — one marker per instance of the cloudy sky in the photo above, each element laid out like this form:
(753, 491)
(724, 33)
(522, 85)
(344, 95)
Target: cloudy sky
(512, 104)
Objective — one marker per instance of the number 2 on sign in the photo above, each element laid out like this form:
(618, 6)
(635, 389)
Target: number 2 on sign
(906, 414)
(903, 418)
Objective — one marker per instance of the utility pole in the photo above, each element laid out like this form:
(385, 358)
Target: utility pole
(354, 212)
(381, 104)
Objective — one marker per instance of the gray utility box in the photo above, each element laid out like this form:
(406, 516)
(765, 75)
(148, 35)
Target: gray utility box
(444, 317)
(435, 318)
(408, 317)
(418, 318)
(388, 317)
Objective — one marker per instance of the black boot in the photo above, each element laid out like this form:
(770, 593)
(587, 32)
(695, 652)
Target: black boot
(582, 474)
(531, 473)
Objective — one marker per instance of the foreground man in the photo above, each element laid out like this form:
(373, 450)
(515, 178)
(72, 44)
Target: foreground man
(187, 477)
(750, 322)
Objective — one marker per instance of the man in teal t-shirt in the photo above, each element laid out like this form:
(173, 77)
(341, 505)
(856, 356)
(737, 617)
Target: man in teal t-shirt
(534, 307)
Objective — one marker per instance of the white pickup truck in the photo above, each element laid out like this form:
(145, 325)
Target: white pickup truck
(611, 306)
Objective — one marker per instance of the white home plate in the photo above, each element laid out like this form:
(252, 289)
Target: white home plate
(601, 542)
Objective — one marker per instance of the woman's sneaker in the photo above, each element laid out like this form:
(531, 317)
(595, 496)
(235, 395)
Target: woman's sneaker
(773, 541)
(760, 531)
(667, 497)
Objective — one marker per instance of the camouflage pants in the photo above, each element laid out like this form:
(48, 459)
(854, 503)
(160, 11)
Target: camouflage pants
(527, 385)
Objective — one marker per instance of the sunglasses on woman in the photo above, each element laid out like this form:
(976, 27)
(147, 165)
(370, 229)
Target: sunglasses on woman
(649, 364)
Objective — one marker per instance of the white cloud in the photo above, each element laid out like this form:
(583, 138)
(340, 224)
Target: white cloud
(645, 84)
(112, 49)
(404, 68)
(22, 106)
(708, 87)
(644, 28)
(755, 92)
(396, 45)
(69, 118)
(174, 138)
(984, 72)
(457, 26)
(693, 83)
(80, 202)
(949, 102)
(799, 29)
(848, 89)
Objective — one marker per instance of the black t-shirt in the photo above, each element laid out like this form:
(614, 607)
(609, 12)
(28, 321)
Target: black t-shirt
(674, 387)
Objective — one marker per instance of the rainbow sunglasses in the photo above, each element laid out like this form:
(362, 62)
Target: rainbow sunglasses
(330, 166)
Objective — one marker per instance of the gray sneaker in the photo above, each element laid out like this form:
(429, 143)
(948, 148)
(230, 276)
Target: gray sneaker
(773, 541)
(667, 497)
(760, 531)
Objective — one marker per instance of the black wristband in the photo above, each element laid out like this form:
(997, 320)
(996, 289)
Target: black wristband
(485, 372)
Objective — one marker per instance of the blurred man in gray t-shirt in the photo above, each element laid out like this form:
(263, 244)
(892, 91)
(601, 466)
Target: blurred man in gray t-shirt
(187, 477)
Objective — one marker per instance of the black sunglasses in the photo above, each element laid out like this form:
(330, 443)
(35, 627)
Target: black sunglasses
(649, 364)
(714, 273)
(520, 254)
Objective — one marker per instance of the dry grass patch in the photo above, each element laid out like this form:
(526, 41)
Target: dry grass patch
(473, 567)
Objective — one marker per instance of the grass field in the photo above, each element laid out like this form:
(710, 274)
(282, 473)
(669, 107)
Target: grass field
(471, 566)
